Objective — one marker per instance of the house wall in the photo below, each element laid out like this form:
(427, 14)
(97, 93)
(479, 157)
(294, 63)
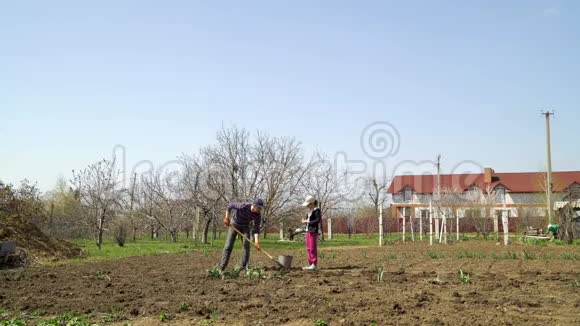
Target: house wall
(526, 198)
(521, 198)
(398, 199)
(510, 198)
(573, 191)
(417, 199)
(422, 198)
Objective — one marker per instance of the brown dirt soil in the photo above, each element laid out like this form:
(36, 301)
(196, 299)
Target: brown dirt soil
(35, 246)
(416, 289)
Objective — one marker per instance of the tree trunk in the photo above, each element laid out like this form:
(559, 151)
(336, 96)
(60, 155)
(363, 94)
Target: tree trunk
(213, 232)
(527, 219)
(51, 219)
(100, 233)
(213, 229)
(398, 224)
(291, 235)
(174, 236)
(196, 225)
(205, 232)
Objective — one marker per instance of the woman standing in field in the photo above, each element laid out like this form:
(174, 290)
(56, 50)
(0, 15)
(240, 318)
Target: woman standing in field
(312, 223)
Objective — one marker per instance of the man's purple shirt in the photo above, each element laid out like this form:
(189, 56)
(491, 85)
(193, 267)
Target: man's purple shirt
(243, 216)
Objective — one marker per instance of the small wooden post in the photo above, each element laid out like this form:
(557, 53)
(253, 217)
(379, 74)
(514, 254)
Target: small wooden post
(495, 224)
(457, 225)
(440, 234)
(445, 232)
(329, 231)
(281, 230)
(421, 226)
(430, 223)
(437, 235)
(381, 231)
(412, 221)
(404, 225)
(506, 231)
(442, 228)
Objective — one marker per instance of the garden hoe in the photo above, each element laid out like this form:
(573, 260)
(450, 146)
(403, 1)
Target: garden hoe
(287, 266)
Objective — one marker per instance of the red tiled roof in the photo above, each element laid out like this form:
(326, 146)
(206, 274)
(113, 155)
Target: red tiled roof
(526, 182)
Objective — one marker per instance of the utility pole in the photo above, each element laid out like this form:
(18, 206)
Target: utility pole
(131, 207)
(438, 198)
(439, 176)
(547, 114)
(381, 231)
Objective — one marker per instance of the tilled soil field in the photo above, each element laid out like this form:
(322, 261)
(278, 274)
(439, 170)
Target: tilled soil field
(420, 285)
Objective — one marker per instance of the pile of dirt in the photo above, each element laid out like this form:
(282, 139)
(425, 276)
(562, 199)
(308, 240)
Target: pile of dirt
(33, 246)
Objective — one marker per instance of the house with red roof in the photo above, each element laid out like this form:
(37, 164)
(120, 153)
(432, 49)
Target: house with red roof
(412, 195)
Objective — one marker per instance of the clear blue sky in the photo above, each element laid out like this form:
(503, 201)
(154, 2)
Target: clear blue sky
(467, 80)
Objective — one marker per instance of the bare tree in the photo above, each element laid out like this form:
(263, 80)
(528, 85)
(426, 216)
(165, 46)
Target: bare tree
(480, 203)
(170, 208)
(376, 191)
(228, 173)
(281, 170)
(232, 158)
(146, 211)
(205, 187)
(530, 217)
(137, 207)
(30, 203)
(99, 194)
(329, 185)
(239, 168)
(446, 208)
(569, 215)
(349, 218)
(64, 211)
